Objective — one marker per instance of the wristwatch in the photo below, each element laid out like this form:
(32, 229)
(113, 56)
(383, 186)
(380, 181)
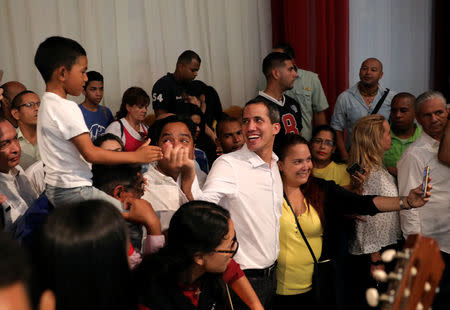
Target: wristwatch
(404, 206)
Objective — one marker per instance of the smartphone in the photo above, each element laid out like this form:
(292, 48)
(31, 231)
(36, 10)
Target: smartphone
(355, 168)
(426, 174)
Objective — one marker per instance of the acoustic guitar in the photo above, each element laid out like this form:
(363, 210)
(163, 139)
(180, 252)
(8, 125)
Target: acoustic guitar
(415, 279)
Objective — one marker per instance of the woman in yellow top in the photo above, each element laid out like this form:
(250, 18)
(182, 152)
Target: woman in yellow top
(319, 206)
(326, 165)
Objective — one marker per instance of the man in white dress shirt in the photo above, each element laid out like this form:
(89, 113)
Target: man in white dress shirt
(434, 219)
(247, 183)
(13, 182)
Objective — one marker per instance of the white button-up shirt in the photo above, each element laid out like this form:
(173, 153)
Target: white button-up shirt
(164, 194)
(252, 191)
(433, 219)
(19, 195)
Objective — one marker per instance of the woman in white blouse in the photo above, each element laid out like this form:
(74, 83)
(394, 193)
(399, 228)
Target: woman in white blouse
(370, 139)
(129, 124)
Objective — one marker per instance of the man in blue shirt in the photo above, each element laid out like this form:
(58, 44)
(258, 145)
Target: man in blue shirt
(96, 116)
(358, 101)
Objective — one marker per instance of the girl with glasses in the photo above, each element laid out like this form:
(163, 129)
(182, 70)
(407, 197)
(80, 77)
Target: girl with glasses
(191, 270)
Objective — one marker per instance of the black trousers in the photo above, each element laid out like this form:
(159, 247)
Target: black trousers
(264, 282)
(300, 301)
(442, 299)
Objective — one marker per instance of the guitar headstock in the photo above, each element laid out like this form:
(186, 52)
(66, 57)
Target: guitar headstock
(413, 283)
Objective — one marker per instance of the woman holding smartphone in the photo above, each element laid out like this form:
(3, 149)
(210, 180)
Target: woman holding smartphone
(370, 139)
(319, 207)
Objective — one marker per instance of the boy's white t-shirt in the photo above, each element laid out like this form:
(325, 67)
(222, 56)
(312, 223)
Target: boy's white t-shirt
(59, 120)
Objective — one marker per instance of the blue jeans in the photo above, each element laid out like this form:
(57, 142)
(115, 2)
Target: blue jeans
(59, 196)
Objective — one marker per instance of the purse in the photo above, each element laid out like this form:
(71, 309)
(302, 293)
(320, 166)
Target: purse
(323, 280)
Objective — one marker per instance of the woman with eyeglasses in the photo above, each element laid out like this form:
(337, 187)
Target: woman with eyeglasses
(326, 164)
(129, 124)
(192, 269)
(319, 206)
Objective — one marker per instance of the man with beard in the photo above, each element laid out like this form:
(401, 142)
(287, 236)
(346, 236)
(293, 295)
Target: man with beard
(364, 98)
(280, 74)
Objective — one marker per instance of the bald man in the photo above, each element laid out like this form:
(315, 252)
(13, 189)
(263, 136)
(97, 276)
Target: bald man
(10, 90)
(360, 100)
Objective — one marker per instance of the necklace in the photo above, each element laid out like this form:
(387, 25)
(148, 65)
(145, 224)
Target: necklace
(365, 93)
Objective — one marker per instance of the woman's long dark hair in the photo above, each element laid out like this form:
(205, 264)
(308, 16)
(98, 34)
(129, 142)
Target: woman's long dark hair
(197, 226)
(131, 97)
(81, 255)
(313, 194)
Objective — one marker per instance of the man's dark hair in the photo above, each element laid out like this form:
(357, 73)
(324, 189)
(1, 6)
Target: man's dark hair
(195, 88)
(108, 177)
(405, 95)
(187, 56)
(55, 52)
(274, 60)
(18, 98)
(93, 76)
(286, 48)
(273, 112)
(225, 119)
(14, 263)
(154, 132)
(3, 119)
(106, 137)
(80, 255)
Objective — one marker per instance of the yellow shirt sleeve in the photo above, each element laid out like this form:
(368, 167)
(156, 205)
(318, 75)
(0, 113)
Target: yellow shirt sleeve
(334, 172)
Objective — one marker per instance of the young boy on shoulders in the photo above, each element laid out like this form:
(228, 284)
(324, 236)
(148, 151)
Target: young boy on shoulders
(96, 116)
(64, 142)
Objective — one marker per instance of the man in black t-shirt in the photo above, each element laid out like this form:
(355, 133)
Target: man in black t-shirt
(280, 74)
(166, 92)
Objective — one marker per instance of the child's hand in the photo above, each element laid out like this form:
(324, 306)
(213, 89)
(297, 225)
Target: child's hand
(147, 153)
(141, 211)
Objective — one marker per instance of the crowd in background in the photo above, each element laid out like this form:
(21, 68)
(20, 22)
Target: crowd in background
(194, 206)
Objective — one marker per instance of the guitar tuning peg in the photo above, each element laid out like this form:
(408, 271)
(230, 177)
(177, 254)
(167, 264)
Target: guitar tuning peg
(427, 287)
(413, 271)
(372, 297)
(419, 306)
(388, 255)
(380, 275)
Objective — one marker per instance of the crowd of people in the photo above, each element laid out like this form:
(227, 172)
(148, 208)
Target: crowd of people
(191, 207)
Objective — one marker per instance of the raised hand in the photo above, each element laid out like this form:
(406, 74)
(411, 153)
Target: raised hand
(147, 153)
(415, 199)
(141, 211)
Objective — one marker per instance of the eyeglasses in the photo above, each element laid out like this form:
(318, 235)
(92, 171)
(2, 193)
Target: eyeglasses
(235, 245)
(29, 105)
(325, 142)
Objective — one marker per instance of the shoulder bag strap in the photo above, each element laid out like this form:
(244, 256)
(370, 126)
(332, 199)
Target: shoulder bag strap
(380, 102)
(121, 128)
(300, 229)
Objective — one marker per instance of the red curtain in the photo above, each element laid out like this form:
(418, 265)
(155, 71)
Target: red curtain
(318, 31)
